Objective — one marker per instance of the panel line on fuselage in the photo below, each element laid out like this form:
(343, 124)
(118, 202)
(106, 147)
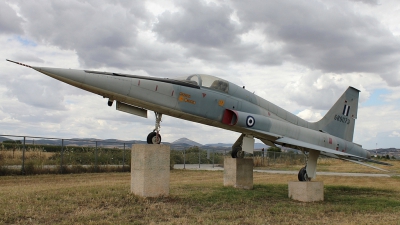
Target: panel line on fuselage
(165, 80)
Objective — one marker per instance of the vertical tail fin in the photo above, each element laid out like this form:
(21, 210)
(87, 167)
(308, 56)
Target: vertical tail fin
(340, 119)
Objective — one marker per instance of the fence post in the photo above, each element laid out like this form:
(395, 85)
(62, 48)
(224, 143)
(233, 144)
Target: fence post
(23, 158)
(184, 158)
(199, 157)
(274, 158)
(123, 159)
(213, 156)
(262, 159)
(95, 159)
(62, 156)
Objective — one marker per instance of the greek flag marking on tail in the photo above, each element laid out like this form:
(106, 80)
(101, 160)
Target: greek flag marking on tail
(346, 110)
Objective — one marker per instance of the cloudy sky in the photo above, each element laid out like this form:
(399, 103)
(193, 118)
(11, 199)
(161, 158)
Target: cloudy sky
(300, 55)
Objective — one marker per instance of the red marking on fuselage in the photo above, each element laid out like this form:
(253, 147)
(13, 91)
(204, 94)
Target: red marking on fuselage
(138, 83)
(204, 95)
(172, 93)
(156, 87)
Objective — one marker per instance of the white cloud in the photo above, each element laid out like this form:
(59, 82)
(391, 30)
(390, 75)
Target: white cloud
(395, 134)
(375, 120)
(309, 115)
(393, 96)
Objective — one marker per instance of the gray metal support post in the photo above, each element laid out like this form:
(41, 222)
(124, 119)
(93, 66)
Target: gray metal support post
(199, 157)
(184, 158)
(95, 159)
(123, 159)
(263, 157)
(62, 156)
(23, 158)
(213, 156)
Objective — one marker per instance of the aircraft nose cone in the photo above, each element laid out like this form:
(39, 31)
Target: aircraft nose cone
(64, 75)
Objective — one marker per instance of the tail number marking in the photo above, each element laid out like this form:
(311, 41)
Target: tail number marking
(342, 119)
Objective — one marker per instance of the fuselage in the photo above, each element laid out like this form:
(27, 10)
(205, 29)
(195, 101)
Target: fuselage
(207, 100)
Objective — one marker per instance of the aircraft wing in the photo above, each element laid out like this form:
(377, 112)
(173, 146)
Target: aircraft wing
(326, 151)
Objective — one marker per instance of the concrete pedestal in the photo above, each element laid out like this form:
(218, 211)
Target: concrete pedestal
(306, 191)
(238, 173)
(150, 170)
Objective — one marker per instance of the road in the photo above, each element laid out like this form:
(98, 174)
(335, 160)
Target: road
(216, 167)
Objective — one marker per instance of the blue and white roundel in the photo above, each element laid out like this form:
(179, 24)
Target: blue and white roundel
(250, 121)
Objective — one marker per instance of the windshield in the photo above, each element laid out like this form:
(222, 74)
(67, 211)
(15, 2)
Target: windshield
(207, 81)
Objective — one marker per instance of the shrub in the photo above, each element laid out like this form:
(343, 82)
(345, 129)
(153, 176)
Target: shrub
(29, 168)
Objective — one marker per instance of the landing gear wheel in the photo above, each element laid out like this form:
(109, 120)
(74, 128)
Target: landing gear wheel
(153, 138)
(237, 153)
(303, 175)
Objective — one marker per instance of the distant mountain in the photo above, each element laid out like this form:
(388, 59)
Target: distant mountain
(229, 145)
(379, 150)
(386, 151)
(260, 146)
(4, 139)
(180, 144)
(224, 145)
(186, 141)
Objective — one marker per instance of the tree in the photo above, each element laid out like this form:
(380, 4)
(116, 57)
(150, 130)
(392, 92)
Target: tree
(274, 149)
(12, 142)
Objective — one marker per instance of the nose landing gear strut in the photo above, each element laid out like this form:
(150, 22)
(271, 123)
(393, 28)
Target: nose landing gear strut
(155, 137)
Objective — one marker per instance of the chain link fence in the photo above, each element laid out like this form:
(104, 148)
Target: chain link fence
(36, 155)
(24, 155)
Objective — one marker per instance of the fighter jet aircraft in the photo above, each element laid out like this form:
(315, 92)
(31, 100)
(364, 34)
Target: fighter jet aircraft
(216, 102)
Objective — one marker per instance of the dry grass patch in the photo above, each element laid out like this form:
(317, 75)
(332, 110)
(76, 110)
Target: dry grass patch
(10, 157)
(196, 197)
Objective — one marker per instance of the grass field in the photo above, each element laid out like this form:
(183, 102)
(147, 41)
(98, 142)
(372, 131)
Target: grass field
(335, 165)
(196, 197)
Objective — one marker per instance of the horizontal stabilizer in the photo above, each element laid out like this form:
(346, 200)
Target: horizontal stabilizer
(326, 151)
(364, 164)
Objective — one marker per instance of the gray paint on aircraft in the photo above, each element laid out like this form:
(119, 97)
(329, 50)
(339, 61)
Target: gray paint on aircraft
(213, 101)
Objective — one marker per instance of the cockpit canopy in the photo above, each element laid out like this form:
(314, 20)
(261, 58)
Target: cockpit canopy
(207, 81)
